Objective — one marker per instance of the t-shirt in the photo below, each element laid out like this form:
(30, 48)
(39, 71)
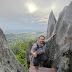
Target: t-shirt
(41, 48)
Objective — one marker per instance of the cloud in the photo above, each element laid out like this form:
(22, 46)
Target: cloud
(16, 13)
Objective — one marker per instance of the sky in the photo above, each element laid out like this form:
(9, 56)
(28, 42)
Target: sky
(28, 14)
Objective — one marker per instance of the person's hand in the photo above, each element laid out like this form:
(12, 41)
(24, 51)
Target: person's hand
(53, 34)
(35, 54)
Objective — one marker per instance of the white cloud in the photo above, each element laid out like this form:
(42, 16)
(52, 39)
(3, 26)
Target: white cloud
(16, 10)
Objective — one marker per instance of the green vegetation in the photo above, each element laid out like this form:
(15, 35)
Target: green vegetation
(20, 50)
(14, 38)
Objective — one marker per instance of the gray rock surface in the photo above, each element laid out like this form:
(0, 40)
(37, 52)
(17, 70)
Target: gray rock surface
(29, 55)
(51, 24)
(59, 50)
(8, 61)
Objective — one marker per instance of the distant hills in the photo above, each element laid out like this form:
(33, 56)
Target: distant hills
(14, 38)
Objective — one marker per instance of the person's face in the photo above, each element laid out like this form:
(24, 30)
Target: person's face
(41, 40)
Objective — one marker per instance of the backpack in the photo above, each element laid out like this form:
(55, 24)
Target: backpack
(38, 45)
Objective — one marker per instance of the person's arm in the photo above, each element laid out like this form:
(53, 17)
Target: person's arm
(34, 54)
(53, 34)
(48, 40)
(33, 50)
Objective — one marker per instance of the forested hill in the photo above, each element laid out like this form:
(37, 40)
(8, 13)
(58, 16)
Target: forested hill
(14, 38)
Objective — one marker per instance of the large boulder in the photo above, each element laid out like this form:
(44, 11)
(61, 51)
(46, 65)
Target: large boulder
(8, 61)
(59, 50)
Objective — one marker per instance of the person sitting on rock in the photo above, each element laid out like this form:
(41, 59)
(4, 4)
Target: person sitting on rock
(38, 50)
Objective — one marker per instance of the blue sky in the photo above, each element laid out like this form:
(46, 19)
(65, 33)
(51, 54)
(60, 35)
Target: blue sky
(28, 14)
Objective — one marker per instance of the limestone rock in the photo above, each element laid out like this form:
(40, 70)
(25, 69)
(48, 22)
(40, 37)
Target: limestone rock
(59, 49)
(29, 55)
(51, 24)
(8, 61)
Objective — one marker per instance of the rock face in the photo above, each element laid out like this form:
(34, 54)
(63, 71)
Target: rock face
(59, 50)
(29, 55)
(51, 24)
(8, 61)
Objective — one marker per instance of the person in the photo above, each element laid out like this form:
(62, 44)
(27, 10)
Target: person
(38, 50)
